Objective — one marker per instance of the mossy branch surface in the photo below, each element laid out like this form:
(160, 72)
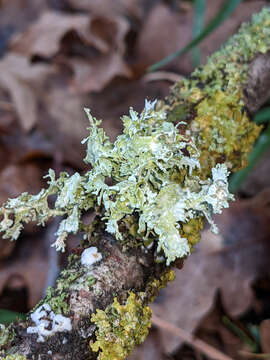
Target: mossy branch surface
(151, 191)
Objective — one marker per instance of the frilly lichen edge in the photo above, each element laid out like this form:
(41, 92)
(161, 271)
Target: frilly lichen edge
(154, 171)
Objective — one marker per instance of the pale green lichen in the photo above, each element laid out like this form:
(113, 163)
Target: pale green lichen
(155, 173)
(6, 336)
(120, 328)
(141, 164)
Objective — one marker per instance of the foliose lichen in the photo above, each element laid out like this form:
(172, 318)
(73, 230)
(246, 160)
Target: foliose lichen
(155, 173)
(120, 328)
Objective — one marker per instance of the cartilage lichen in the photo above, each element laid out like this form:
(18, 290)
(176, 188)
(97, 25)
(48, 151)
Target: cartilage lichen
(155, 173)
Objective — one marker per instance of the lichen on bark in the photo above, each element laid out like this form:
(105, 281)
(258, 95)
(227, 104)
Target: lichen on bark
(120, 328)
(212, 99)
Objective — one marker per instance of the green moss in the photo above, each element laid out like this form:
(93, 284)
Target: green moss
(120, 328)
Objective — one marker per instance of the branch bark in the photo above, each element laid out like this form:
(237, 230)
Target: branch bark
(233, 84)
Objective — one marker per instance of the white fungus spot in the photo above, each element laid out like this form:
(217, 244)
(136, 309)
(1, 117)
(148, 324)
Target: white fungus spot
(48, 323)
(90, 256)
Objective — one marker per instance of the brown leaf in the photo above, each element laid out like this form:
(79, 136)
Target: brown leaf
(65, 123)
(228, 262)
(22, 80)
(96, 75)
(126, 7)
(30, 262)
(43, 37)
(151, 349)
(163, 32)
(265, 335)
(97, 72)
(15, 179)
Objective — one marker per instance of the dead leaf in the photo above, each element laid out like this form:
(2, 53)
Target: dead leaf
(96, 75)
(127, 7)
(71, 38)
(228, 262)
(15, 179)
(254, 183)
(151, 349)
(64, 122)
(16, 15)
(265, 335)
(162, 34)
(31, 262)
(43, 37)
(22, 81)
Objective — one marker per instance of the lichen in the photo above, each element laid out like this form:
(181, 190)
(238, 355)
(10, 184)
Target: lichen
(120, 328)
(155, 174)
(211, 100)
(90, 256)
(191, 231)
(223, 131)
(154, 285)
(57, 299)
(6, 336)
(47, 323)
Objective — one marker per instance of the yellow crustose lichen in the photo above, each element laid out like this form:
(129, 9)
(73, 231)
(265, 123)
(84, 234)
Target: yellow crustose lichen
(120, 328)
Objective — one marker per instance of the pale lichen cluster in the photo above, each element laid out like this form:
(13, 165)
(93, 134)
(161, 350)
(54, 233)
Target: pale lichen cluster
(154, 174)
